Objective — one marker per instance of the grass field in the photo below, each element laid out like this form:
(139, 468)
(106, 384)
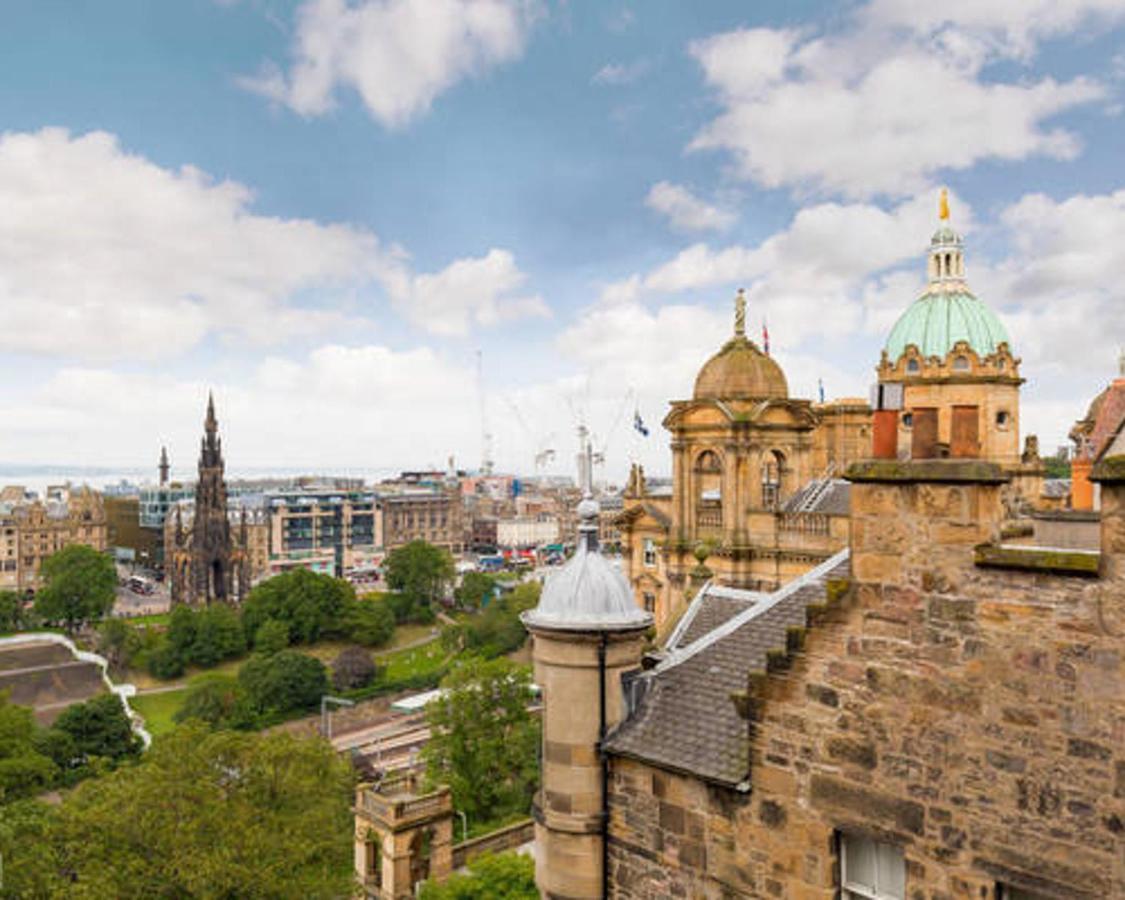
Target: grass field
(158, 709)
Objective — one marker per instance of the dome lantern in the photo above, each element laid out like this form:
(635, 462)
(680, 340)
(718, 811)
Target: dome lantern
(740, 371)
(947, 311)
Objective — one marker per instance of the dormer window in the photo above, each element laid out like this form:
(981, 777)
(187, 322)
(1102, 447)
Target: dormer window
(913, 366)
(961, 364)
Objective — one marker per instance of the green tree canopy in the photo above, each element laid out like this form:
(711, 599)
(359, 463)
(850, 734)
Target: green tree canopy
(219, 700)
(118, 642)
(507, 876)
(100, 727)
(24, 770)
(79, 585)
(11, 611)
(311, 604)
(474, 589)
(284, 682)
(205, 814)
(484, 742)
(218, 636)
(420, 573)
(271, 637)
(372, 622)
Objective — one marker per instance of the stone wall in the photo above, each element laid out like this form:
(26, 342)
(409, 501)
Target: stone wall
(974, 717)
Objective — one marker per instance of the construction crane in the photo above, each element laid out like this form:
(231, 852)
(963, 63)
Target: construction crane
(485, 434)
(598, 448)
(544, 453)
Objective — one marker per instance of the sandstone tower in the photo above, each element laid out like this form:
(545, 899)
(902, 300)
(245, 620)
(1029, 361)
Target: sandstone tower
(587, 634)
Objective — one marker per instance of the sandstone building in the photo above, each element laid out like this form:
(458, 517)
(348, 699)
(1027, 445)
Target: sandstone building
(32, 530)
(742, 452)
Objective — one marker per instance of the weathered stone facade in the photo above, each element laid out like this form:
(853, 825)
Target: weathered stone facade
(963, 706)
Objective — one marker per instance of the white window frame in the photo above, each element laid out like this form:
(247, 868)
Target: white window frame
(854, 891)
(649, 553)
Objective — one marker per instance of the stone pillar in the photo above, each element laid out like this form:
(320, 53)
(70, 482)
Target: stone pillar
(921, 516)
(1109, 474)
(569, 806)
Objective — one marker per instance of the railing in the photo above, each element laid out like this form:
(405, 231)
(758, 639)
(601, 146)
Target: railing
(507, 838)
(803, 523)
(396, 809)
(709, 518)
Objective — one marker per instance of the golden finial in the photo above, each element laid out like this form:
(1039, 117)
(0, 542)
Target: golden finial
(943, 205)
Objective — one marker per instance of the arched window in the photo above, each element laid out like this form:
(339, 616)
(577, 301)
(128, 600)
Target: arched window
(913, 366)
(1003, 419)
(961, 364)
(709, 490)
(773, 467)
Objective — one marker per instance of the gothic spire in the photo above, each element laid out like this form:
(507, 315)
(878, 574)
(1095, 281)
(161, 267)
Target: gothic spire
(163, 466)
(211, 424)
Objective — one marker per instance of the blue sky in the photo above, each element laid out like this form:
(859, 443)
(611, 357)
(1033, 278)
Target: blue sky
(323, 210)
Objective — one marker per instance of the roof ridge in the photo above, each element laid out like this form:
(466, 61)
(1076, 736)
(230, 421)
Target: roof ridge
(682, 654)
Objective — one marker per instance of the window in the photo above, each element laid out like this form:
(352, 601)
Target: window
(913, 366)
(1002, 419)
(870, 870)
(650, 552)
(961, 364)
(650, 603)
(907, 420)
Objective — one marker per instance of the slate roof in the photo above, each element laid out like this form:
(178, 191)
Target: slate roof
(685, 720)
(835, 501)
(713, 606)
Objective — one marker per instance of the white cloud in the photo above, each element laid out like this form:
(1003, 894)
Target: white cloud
(885, 105)
(105, 255)
(1010, 26)
(685, 211)
(399, 55)
(355, 407)
(617, 74)
(810, 278)
(467, 292)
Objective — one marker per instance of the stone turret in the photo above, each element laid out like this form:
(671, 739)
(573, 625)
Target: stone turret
(587, 634)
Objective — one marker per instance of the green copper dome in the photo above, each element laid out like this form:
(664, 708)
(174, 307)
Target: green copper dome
(940, 318)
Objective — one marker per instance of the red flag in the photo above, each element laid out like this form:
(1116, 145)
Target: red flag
(765, 338)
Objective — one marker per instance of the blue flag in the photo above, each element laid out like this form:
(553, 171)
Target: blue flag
(639, 423)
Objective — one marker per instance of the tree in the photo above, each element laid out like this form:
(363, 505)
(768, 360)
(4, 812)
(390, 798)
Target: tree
(164, 660)
(284, 682)
(311, 604)
(79, 585)
(271, 637)
(372, 623)
(219, 700)
(11, 611)
(352, 668)
(205, 814)
(118, 642)
(474, 590)
(24, 770)
(218, 636)
(100, 727)
(484, 742)
(497, 629)
(507, 876)
(181, 630)
(420, 573)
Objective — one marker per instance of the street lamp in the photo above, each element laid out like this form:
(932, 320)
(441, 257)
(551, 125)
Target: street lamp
(325, 715)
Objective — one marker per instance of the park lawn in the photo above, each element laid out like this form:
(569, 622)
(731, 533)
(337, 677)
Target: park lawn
(151, 619)
(158, 709)
(417, 661)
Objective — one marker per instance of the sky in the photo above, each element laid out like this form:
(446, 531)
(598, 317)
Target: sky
(379, 230)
